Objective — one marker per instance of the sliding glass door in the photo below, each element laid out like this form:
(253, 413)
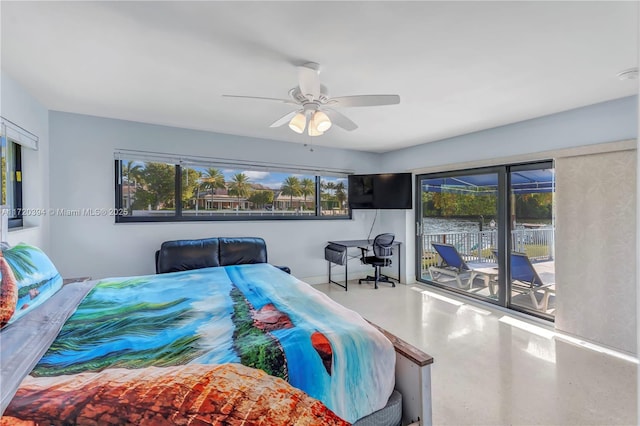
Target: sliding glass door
(532, 258)
(477, 227)
(458, 231)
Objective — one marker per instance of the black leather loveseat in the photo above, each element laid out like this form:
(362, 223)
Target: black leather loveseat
(184, 255)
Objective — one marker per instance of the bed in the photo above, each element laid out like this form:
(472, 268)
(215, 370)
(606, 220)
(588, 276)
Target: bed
(240, 343)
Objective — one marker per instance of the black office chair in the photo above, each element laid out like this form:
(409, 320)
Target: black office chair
(382, 250)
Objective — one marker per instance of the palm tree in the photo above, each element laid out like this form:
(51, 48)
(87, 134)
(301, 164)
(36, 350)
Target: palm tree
(307, 187)
(20, 257)
(291, 187)
(132, 172)
(10, 277)
(330, 186)
(239, 186)
(341, 194)
(327, 193)
(212, 179)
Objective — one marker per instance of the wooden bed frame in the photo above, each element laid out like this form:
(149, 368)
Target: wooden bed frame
(413, 380)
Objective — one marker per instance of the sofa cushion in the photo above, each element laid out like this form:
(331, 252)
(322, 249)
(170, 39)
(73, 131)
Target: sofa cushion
(184, 255)
(239, 251)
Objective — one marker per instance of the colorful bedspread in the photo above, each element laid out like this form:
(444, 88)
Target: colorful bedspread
(162, 339)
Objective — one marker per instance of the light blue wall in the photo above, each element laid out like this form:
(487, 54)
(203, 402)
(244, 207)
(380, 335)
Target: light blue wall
(82, 176)
(18, 106)
(604, 122)
(594, 124)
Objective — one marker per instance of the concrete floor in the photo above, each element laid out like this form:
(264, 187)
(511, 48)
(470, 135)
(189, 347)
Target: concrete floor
(488, 372)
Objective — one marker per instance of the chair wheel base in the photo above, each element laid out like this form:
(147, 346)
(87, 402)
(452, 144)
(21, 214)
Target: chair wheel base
(381, 279)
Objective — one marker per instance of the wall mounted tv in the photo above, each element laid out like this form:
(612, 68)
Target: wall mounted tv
(380, 191)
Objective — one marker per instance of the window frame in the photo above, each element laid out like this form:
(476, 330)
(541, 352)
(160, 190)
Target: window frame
(15, 219)
(504, 189)
(179, 217)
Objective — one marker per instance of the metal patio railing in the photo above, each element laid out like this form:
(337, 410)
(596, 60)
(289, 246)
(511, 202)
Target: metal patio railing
(476, 246)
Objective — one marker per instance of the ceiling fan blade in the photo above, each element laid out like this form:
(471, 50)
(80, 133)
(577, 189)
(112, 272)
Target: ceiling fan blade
(340, 119)
(286, 101)
(309, 80)
(284, 119)
(364, 100)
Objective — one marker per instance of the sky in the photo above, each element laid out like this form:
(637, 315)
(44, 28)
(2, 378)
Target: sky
(268, 179)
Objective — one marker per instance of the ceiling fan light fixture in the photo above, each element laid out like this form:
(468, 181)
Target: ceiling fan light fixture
(314, 107)
(313, 128)
(298, 123)
(321, 121)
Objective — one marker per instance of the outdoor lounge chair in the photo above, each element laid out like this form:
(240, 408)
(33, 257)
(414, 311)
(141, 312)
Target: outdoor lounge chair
(525, 280)
(452, 265)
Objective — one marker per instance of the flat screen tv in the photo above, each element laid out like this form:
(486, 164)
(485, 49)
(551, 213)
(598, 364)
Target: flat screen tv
(380, 191)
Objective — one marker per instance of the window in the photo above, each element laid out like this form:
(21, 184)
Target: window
(148, 188)
(333, 196)
(13, 139)
(156, 189)
(12, 180)
(469, 220)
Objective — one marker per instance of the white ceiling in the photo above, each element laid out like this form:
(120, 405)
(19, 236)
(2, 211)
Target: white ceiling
(458, 67)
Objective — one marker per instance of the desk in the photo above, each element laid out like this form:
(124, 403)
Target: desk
(347, 244)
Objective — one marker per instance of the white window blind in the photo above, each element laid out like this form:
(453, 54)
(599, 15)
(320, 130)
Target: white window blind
(123, 154)
(596, 257)
(18, 134)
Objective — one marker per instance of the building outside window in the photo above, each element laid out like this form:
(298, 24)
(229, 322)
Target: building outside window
(175, 191)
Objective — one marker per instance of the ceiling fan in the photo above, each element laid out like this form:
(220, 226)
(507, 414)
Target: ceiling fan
(315, 107)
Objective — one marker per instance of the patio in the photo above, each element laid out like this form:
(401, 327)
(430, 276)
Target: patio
(545, 269)
(477, 250)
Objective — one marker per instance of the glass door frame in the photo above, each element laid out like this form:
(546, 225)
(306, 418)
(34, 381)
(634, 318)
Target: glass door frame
(512, 168)
(504, 216)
